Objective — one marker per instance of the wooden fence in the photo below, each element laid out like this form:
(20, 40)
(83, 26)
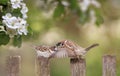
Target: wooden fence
(78, 66)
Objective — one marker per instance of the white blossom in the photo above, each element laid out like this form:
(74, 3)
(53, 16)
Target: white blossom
(16, 3)
(10, 21)
(7, 16)
(24, 10)
(24, 16)
(22, 26)
(65, 3)
(15, 23)
(86, 3)
(22, 30)
(95, 3)
(22, 21)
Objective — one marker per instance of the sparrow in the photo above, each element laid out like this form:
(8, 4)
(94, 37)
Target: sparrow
(67, 48)
(44, 51)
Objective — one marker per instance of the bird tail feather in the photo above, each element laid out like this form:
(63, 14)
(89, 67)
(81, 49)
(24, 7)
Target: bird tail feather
(91, 46)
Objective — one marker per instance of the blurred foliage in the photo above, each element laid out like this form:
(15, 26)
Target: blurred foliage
(54, 13)
(3, 2)
(4, 38)
(66, 8)
(17, 40)
(70, 22)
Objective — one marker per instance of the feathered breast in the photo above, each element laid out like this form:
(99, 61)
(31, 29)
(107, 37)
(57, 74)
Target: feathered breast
(44, 51)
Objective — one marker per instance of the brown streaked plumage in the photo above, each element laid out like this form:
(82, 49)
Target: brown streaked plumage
(68, 48)
(44, 51)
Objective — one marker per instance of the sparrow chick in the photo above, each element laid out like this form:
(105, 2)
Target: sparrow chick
(44, 51)
(68, 48)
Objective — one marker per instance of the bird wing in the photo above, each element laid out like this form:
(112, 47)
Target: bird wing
(44, 54)
(60, 53)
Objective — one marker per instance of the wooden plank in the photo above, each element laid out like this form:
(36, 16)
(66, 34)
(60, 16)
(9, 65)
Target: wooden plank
(42, 66)
(109, 65)
(78, 67)
(13, 65)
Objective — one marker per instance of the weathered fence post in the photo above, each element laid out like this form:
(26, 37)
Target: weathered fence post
(13, 65)
(109, 65)
(78, 67)
(42, 65)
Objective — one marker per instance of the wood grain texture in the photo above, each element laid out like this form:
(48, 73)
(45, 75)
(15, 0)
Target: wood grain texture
(78, 67)
(109, 65)
(42, 66)
(13, 65)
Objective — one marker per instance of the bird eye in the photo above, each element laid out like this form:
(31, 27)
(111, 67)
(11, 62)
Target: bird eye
(58, 44)
(61, 44)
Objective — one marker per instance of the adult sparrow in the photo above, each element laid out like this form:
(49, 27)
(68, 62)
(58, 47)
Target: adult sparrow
(70, 49)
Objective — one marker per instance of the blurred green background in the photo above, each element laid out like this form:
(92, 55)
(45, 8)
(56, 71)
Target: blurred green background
(48, 31)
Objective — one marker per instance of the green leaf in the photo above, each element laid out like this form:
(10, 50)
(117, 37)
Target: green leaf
(99, 20)
(99, 17)
(4, 2)
(84, 17)
(59, 10)
(16, 12)
(30, 30)
(17, 40)
(1, 23)
(4, 38)
(73, 4)
(1, 17)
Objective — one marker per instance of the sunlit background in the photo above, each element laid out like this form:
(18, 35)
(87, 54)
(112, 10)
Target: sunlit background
(47, 31)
